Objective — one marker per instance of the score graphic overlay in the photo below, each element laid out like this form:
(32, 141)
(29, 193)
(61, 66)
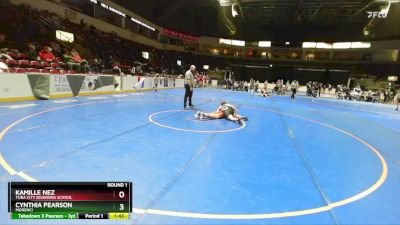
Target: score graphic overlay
(70, 200)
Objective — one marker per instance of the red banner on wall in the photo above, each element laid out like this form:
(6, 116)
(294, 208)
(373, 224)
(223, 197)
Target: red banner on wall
(180, 35)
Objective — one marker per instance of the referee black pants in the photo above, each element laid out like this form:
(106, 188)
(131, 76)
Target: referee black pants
(188, 94)
(293, 93)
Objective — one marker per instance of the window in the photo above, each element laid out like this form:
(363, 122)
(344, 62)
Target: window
(65, 36)
(145, 55)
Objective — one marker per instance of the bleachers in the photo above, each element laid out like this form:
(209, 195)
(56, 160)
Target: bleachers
(33, 70)
(20, 70)
(11, 62)
(22, 56)
(34, 66)
(24, 63)
(54, 71)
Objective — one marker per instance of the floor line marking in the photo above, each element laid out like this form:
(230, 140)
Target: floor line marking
(308, 167)
(177, 175)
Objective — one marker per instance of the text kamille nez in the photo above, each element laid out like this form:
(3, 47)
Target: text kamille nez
(35, 192)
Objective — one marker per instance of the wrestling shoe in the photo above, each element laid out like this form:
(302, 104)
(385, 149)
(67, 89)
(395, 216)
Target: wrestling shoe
(197, 115)
(202, 115)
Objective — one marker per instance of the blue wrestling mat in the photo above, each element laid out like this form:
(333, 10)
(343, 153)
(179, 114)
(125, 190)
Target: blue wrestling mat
(308, 161)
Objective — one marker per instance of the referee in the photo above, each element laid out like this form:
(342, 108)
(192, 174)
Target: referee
(294, 85)
(189, 81)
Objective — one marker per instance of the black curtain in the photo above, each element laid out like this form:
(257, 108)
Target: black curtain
(290, 73)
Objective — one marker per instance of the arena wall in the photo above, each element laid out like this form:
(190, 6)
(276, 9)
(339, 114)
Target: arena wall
(18, 87)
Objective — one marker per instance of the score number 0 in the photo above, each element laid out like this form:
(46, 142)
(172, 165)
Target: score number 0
(121, 195)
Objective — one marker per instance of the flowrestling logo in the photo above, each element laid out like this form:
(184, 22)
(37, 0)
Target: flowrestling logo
(382, 14)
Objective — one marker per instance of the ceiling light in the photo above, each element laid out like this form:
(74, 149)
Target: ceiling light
(238, 43)
(309, 44)
(360, 44)
(234, 12)
(264, 44)
(324, 45)
(341, 45)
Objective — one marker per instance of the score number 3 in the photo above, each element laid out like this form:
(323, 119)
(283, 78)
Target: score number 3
(121, 195)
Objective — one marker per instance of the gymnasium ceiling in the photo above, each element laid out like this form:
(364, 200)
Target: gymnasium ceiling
(277, 20)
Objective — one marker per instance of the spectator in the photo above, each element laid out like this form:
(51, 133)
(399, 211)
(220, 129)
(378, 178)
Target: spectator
(67, 57)
(77, 59)
(246, 86)
(235, 86)
(256, 85)
(4, 55)
(264, 90)
(288, 85)
(75, 56)
(109, 62)
(266, 86)
(133, 70)
(294, 85)
(31, 53)
(46, 54)
(320, 87)
(56, 48)
(117, 69)
(382, 96)
(96, 66)
(251, 85)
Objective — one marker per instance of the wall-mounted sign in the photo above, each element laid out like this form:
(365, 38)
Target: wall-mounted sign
(180, 35)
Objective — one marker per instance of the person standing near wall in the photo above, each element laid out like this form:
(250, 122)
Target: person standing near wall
(155, 82)
(189, 82)
(138, 85)
(265, 88)
(294, 85)
(397, 100)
